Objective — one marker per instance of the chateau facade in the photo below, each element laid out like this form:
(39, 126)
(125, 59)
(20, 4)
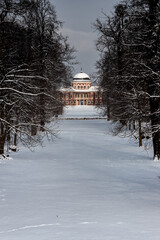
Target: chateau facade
(81, 92)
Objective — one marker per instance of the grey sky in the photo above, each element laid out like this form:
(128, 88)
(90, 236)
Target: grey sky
(78, 16)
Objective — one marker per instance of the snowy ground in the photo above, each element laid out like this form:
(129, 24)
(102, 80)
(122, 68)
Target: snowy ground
(82, 112)
(88, 185)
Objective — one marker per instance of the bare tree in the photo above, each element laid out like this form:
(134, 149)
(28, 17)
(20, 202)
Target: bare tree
(128, 67)
(34, 57)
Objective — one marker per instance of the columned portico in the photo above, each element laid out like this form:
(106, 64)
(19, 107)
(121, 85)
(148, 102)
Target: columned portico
(82, 92)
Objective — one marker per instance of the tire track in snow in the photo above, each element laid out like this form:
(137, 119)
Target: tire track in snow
(39, 226)
(29, 227)
(88, 223)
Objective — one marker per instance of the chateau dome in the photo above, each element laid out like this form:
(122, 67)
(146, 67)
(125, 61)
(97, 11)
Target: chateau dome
(81, 77)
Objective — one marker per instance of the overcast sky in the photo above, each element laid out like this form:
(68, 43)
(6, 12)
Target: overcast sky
(78, 16)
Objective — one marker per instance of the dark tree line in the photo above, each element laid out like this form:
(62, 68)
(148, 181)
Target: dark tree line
(35, 59)
(129, 67)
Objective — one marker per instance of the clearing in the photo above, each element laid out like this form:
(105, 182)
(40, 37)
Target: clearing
(87, 185)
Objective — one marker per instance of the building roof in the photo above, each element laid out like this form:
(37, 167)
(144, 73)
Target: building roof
(81, 77)
(71, 89)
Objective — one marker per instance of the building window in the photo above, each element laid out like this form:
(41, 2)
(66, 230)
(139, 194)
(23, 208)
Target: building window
(81, 95)
(78, 87)
(84, 87)
(81, 87)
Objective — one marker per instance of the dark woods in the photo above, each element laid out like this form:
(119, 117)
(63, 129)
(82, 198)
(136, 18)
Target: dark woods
(34, 61)
(129, 68)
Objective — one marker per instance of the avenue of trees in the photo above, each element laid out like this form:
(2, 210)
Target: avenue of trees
(129, 67)
(35, 59)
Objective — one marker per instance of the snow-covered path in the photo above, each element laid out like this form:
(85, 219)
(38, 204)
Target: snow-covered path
(88, 185)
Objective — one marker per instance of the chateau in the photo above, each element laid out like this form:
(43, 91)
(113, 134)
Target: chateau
(81, 92)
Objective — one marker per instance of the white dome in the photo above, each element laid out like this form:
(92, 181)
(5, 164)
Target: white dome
(81, 76)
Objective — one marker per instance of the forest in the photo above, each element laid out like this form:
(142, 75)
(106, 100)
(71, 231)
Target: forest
(35, 60)
(129, 68)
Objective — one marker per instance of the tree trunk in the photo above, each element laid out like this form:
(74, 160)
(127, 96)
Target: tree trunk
(155, 123)
(152, 88)
(156, 145)
(108, 111)
(2, 132)
(15, 142)
(33, 130)
(2, 143)
(140, 133)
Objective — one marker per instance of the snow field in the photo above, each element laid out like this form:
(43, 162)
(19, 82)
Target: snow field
(87, 185)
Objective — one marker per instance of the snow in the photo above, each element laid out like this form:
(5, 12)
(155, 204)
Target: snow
(5, 157)
(87, 185)
(71, 89)
(82, 112)
(81, 75)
